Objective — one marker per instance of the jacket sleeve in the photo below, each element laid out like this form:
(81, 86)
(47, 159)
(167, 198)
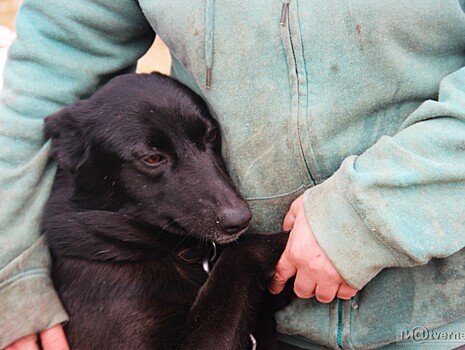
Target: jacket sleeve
(402, 202)
(64, 51)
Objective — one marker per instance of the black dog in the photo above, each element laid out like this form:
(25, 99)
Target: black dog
(140, 194)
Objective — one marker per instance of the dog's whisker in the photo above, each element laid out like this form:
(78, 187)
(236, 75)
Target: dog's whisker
(172, 222)
(185, 237)
(164, 228)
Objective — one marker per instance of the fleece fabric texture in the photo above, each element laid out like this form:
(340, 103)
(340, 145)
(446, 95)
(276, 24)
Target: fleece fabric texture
(360, 104)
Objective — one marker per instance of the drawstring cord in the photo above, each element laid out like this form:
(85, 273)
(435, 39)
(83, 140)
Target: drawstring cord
(209, 12)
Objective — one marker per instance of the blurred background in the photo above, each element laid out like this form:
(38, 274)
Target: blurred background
(156, 59)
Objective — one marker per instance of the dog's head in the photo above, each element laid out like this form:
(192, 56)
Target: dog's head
(146, 146)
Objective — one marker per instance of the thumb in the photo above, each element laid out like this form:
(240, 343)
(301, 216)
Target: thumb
(289, 219)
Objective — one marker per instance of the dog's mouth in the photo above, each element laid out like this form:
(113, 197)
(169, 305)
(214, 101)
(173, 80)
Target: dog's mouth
(213, 233)
(222, 238)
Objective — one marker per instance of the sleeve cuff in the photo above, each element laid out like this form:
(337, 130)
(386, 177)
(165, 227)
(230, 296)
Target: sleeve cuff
(28, 301)
(354, 249)
(29, 305)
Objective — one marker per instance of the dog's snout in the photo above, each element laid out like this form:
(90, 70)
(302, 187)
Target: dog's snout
(233, 220)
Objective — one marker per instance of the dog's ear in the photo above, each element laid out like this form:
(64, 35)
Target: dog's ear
(69, 145)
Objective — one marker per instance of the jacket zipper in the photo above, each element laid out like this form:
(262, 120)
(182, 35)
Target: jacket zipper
(339, 323)
(284, 22)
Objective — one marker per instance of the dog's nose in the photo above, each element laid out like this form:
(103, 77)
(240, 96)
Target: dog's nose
(233, 220)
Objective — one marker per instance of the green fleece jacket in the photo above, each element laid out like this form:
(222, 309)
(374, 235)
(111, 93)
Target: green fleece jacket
(361, 104)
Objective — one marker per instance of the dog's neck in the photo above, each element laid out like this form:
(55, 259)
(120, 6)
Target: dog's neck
(98, 233)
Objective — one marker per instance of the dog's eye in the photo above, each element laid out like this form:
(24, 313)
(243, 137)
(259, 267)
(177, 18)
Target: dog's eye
(152, 159)
(211, 136)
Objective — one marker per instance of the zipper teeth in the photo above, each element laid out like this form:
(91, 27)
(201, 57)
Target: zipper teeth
(339, 324)
(284, 14)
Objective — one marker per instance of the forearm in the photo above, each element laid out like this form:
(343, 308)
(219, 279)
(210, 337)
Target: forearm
(64, 51)
(400, 202)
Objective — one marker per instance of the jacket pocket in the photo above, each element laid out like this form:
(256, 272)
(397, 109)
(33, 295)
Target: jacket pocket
(269, 211)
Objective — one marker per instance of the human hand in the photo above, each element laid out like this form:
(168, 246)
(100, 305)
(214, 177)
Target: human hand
(51, 339)
(304, 258)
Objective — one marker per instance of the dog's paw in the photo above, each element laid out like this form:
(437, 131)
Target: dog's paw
(254, 252)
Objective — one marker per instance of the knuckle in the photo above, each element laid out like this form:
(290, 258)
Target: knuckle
(352, 293)
(346, 292)
(301, 288)
(304, 286)
(302, 295)
(280, 272)
(285, 266)
(333, 274)
(279, 279)
(280, 266)
(295, 254)
(324, 296)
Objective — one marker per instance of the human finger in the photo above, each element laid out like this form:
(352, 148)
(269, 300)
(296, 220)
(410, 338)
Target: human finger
(54, 339)
(28, 342)
(291, 215)
(326, 293)
(284, 271)
(304, 285)
(345, 291)
(289, 220)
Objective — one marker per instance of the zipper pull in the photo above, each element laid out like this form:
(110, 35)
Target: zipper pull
(284, 10)
(208, 78)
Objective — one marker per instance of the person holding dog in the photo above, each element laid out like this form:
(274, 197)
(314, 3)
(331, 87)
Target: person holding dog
(358, 106)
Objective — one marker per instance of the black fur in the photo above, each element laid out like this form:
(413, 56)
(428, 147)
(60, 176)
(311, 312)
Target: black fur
(140, 192)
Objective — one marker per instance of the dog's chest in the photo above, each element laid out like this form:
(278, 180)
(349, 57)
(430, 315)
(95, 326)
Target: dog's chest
(108, 302)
